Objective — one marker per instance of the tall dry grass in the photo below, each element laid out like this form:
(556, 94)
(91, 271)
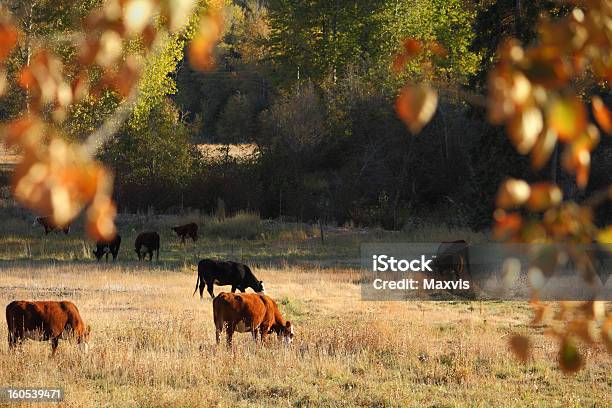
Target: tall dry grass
(153, 346)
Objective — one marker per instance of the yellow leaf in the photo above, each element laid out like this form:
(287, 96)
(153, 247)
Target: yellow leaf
(568, 117)
(605, 236)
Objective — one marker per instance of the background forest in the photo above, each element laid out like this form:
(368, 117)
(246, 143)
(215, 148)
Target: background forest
(309, 87)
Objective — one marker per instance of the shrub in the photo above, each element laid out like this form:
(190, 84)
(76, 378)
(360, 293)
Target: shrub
(243, 225)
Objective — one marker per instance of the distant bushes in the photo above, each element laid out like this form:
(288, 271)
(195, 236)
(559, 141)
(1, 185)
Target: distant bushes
(242, 225)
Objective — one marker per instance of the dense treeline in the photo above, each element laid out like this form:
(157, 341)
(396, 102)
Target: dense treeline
(310, 85)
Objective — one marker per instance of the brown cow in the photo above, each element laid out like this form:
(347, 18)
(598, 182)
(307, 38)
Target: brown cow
(50, 226)
(45, 320)
(249, 312)
(188, 230)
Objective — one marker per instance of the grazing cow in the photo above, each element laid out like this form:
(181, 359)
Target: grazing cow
(452, 260)
(188, 230)
(104, 247)
(50, 226)
(249, 312)
(43, 321)
(149, 240)
(212, 272)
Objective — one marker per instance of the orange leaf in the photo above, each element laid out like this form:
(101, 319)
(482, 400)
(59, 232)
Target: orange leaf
(8, 39)
(570, 360)
(543, 148)
(521, 346)
(416, 106)
(512, 193)
(201, 49)
(413, 47)
(568, 117)
(543, 196)
(101, 219)
(602, 114)
(577, 160)
(506, 225)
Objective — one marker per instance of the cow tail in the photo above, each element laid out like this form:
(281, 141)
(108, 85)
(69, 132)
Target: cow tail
(197, 284)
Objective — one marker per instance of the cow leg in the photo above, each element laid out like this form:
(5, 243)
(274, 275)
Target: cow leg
(218, 335)
(54, 344)
(12, 341)
(233, 289)
(209, 286)
(263, 333)
(230, 333)
(157, 255)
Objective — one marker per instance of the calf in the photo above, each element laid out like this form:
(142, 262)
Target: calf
(104, 247)
(50, 226)
(150, 241)
(188, 230)
(43, 321)
(237, 275)
(249, 312)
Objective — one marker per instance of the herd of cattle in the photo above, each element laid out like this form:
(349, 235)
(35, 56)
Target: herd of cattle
(256, 312)
(243, 312)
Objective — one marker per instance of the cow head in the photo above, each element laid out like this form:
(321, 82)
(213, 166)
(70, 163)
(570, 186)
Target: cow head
(83, 339)
(259, 287)
(288, 332)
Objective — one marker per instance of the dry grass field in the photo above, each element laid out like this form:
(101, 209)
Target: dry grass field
(153, 346)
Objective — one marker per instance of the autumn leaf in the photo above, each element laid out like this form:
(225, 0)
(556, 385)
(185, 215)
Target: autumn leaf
(543, 148)
(568, 118)
(201, 49)
(605, 235)
(524, 129)
(570, 359)
(416, 105)
(8, 39)
(512, 193)
(543, 196)
(521, 346)
(602, 114)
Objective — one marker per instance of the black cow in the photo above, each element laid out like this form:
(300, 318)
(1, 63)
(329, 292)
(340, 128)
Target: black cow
(188, 230)
(149, 240)
(452, 260)
(50, 226)
(222, 273)
(104, 247)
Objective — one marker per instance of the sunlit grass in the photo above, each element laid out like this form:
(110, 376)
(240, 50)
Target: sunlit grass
(153, 345)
